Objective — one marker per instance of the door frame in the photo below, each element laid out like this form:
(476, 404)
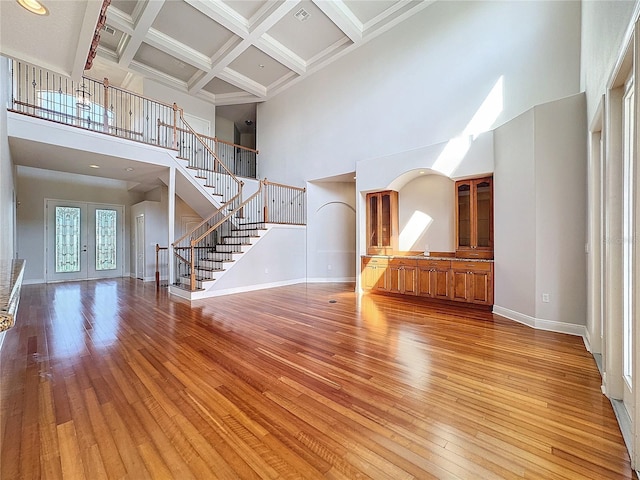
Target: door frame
(90, 272)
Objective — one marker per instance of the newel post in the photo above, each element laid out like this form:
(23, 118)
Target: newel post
(175, 126)
(105, 105)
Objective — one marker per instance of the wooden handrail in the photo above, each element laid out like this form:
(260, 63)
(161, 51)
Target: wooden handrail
(68, 116)
(302, 189)
(208, 137)
(236, 145)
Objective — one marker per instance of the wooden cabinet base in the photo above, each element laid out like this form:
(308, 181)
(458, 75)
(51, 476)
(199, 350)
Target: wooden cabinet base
(436, 302)
(455, 281)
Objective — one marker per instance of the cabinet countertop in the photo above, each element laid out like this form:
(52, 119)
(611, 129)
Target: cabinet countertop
(425, 257)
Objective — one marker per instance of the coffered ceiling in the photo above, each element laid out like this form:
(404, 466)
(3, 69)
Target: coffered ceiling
(240, 51)
(227, 52)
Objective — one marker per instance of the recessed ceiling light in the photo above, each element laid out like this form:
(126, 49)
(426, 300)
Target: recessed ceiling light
(421, 172)
(94, 166)
(129, 169)
(34, 6)
(261, 66)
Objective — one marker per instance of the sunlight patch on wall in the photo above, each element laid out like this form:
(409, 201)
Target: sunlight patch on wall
(483, 120)
(414, 229)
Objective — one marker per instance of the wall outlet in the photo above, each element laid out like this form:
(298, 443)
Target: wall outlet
(266, 270)
(328, 267)
(546, 298)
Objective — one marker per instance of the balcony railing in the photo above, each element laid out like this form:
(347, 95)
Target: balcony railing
(91, 105)
(239, 160)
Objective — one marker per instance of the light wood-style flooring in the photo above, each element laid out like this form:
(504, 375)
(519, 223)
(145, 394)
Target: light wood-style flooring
(111, 380)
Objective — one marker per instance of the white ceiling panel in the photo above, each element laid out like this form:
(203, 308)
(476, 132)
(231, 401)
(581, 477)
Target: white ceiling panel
(246, 8)
(258, 66)
(126, 6)
(111, 40)
(367, 11)
(194, 29)
(309, 37)
(164, 63)
(218, 87)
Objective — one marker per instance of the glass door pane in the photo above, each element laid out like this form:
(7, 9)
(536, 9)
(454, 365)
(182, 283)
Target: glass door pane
(106, 239)
(483, 214)
(464, 215)
(385, 231)
(67, 239)
(373, 221)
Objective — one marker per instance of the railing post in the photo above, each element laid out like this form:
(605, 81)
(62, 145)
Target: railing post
(105, 105)
(157, 267)
(175, 126)
(266, 201)
(192, 280)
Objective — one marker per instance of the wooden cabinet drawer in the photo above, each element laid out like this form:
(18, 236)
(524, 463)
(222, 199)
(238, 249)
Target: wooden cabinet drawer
(472, 266)
(381, 261)
(435, 264)
(401, 262)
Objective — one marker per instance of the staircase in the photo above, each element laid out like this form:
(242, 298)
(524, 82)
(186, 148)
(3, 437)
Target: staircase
(221, 255)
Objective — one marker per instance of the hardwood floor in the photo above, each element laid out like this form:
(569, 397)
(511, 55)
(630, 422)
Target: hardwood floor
(109, 380)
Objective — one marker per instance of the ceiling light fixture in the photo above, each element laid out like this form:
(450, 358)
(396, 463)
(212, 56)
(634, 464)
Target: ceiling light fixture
(94, 166)
(34, 6)
(83, 97)
(129, 169)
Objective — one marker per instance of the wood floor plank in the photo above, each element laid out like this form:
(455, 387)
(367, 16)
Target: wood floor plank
(112, 380)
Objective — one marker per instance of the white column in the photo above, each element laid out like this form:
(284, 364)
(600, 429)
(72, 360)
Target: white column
(171, 219)
(613, 351)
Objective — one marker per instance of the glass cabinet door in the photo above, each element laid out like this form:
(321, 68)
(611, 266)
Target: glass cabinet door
(483, 214)
(382, 222)
(464, 215)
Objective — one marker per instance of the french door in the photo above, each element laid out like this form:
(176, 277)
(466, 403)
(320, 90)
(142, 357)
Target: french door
(84, 240)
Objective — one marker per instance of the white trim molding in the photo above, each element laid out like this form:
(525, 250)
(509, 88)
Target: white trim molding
(541, 324)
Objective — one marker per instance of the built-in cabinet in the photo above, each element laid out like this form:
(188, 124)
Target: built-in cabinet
(382, 222)
(474, 218)
(457, 280)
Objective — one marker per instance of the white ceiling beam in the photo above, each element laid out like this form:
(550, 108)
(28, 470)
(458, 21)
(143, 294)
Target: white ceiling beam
(242, 82)
(87, 30)
(222, 14)
(161, 77)
(177, 49)
(342, 17)
(143, 24)
(120, 20)
(275, 16)
(282, 54)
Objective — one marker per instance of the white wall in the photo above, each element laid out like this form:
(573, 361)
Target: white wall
(331, 231)
(604, 26)
(225, 129)
(34, 185)
(277, 259)
(515, 216)
(428, 198)
(540, 216)
(561, 209)
(7, 173)
(429, 78)
(189, 104)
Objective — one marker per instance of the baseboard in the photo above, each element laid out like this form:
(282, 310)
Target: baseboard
(541, 324)
(229, 291)
(331, 280)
